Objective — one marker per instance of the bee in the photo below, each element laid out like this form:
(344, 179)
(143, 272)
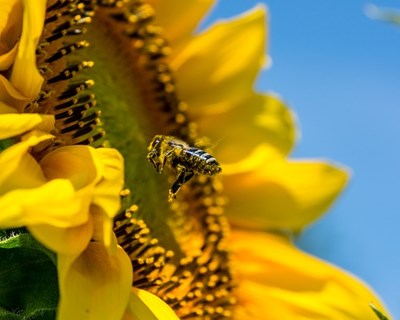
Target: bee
(186, 160)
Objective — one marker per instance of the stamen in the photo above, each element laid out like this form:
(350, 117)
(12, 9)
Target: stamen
(78, 123)
(133, 24)
(194, 286)
(75, 89)
(68, 50)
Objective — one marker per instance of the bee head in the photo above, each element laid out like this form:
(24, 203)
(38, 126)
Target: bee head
(154, 158)
(154, 154)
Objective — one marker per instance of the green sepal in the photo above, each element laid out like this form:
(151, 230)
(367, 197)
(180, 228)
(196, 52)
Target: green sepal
(379, 314)
(5, 143)
(28, 279)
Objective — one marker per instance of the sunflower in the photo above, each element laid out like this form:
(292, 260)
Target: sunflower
(84, 86)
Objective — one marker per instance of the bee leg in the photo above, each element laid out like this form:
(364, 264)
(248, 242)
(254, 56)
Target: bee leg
(161, 167)
(182, 177)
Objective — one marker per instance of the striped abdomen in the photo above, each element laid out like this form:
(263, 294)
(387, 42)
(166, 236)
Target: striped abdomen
(199, 161)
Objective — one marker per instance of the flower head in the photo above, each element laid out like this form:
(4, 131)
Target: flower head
(130, 254)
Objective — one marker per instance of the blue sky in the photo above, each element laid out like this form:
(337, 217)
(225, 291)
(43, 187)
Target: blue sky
(340, 72)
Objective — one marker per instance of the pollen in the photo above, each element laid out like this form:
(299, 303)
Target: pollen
(125, 192)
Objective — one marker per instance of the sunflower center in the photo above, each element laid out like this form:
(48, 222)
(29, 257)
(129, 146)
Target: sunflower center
(95, 77)
(178, 251)
(127, 119)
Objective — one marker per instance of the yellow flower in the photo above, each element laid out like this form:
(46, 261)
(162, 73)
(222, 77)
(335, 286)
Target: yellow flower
(65, 200)
(63, 183)
(266, 190)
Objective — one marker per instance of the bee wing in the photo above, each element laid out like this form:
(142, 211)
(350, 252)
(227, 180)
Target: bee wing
(206, 143)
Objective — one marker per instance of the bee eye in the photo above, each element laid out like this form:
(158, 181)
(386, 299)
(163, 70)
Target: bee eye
(155, 143)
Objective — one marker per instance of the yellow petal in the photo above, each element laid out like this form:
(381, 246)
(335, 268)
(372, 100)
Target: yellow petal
(10, 96)
(145, 306)
(26, 198)
(20, 169)
(94, 285)
(78, 164)
(7, 59)
(25, 75)
(10, 30)
(279, 281)
(4, 108)
(107, 192)
(268, 191)
(53, 203)
(102, 227)
(224, 59)
(179, 18)
(259, 119)
(97, 175)
(106, 195)
(15, 124)
(63, 240)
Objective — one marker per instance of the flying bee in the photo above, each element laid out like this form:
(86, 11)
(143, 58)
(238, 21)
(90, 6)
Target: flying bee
(186, 160)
